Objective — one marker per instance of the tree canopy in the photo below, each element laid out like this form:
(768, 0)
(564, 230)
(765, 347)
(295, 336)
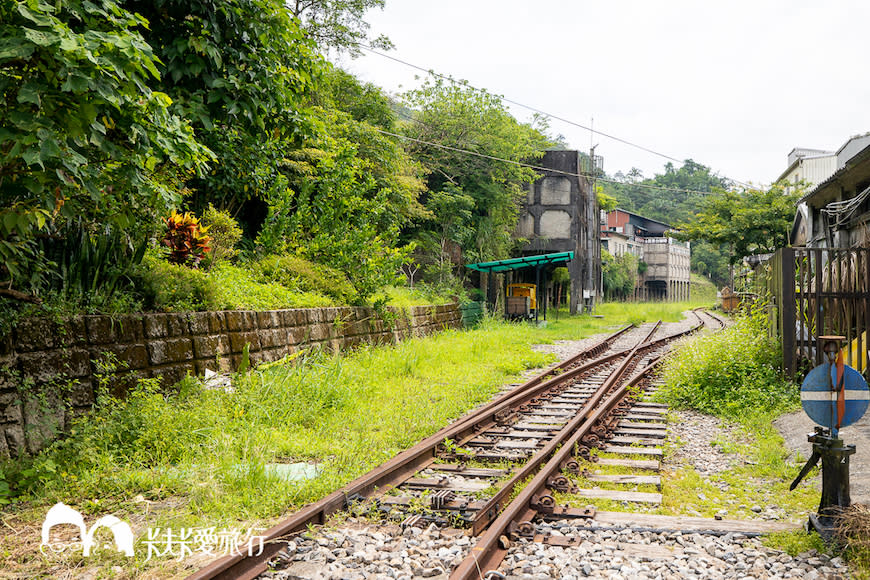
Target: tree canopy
(338, 24)
(749, 221)
(482, 194)
(84, 133)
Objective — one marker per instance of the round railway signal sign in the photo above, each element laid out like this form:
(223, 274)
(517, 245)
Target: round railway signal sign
(834, 398)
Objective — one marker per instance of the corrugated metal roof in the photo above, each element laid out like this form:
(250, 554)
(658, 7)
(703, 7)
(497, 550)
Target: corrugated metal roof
(525, 262)
(640, 216)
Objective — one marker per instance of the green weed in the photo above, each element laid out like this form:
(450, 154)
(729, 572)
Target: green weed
(733, 373)
(794, 543)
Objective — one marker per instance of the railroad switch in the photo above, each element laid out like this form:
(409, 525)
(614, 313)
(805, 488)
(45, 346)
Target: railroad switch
(833, 395)
(834, 456)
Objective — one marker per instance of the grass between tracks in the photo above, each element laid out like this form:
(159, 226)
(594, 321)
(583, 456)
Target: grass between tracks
(196, 458)
(734, 376)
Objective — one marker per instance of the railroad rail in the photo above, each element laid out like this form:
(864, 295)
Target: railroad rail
(537, 428)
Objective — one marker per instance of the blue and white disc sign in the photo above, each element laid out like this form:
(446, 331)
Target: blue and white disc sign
(820, 401)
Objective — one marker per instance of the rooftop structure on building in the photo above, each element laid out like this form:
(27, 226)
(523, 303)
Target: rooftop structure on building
(838, 208)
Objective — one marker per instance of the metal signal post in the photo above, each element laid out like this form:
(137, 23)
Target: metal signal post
(834, 395)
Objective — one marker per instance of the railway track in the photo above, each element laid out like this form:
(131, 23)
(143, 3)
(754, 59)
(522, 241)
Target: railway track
(500, 468)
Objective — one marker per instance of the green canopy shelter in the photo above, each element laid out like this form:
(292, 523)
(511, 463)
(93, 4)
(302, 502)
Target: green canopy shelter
(541, 263)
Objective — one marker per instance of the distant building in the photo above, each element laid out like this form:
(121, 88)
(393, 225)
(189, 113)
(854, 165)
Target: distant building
(667, 275)
(560, 215)
(838, 208)
(618, 244)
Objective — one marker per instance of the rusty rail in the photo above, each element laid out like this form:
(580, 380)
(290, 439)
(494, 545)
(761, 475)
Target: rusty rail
(492, 546)
(486, 515)
(491, 549)
(396, 470)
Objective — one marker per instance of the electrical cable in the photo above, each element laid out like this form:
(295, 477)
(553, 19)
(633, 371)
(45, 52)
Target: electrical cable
(537, 167)
(841, 211)
(535, 109)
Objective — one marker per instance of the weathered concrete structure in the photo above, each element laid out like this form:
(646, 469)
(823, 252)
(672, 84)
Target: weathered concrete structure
(667, 275)
(561, 215)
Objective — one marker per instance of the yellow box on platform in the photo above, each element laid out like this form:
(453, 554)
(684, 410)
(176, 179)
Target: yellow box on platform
(524, 290)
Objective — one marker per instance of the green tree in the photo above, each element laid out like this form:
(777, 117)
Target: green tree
(749, 221)
(82, 134)
(348, 192)
(619, 275)
(710, 260)
(242, 71)
(453, 115)
(605, 202)
(451, 213)
(338, 24)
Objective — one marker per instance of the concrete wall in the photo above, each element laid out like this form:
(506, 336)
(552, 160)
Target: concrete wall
(48, 368)
(561, 214)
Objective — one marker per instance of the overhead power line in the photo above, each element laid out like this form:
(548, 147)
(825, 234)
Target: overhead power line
(536, 167)
(535, 110)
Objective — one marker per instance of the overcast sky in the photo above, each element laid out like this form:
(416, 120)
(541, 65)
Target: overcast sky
(731, 84)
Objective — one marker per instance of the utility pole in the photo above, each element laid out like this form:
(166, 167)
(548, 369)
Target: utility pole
(597, 273)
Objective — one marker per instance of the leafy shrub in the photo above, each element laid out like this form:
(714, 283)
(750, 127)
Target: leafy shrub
(173, 288)
(731, 373)
(295, 272)
(225, 234)
(93, 264)
(186, 239)
(239, 288)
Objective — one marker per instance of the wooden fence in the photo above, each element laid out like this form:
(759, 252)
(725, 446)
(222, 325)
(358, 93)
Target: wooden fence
(820, 292)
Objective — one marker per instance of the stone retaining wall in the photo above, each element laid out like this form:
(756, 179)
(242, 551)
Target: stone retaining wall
(48, 369)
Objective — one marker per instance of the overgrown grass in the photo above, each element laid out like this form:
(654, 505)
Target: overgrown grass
(198, 458)
(611, 315)
(733, 374)
(794, 543)
(702, 289)
(205, 452)
(403, 297)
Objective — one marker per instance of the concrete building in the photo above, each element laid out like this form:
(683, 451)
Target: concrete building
(618, 244)
(811, 166)
(560, 215)
(667, 275)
